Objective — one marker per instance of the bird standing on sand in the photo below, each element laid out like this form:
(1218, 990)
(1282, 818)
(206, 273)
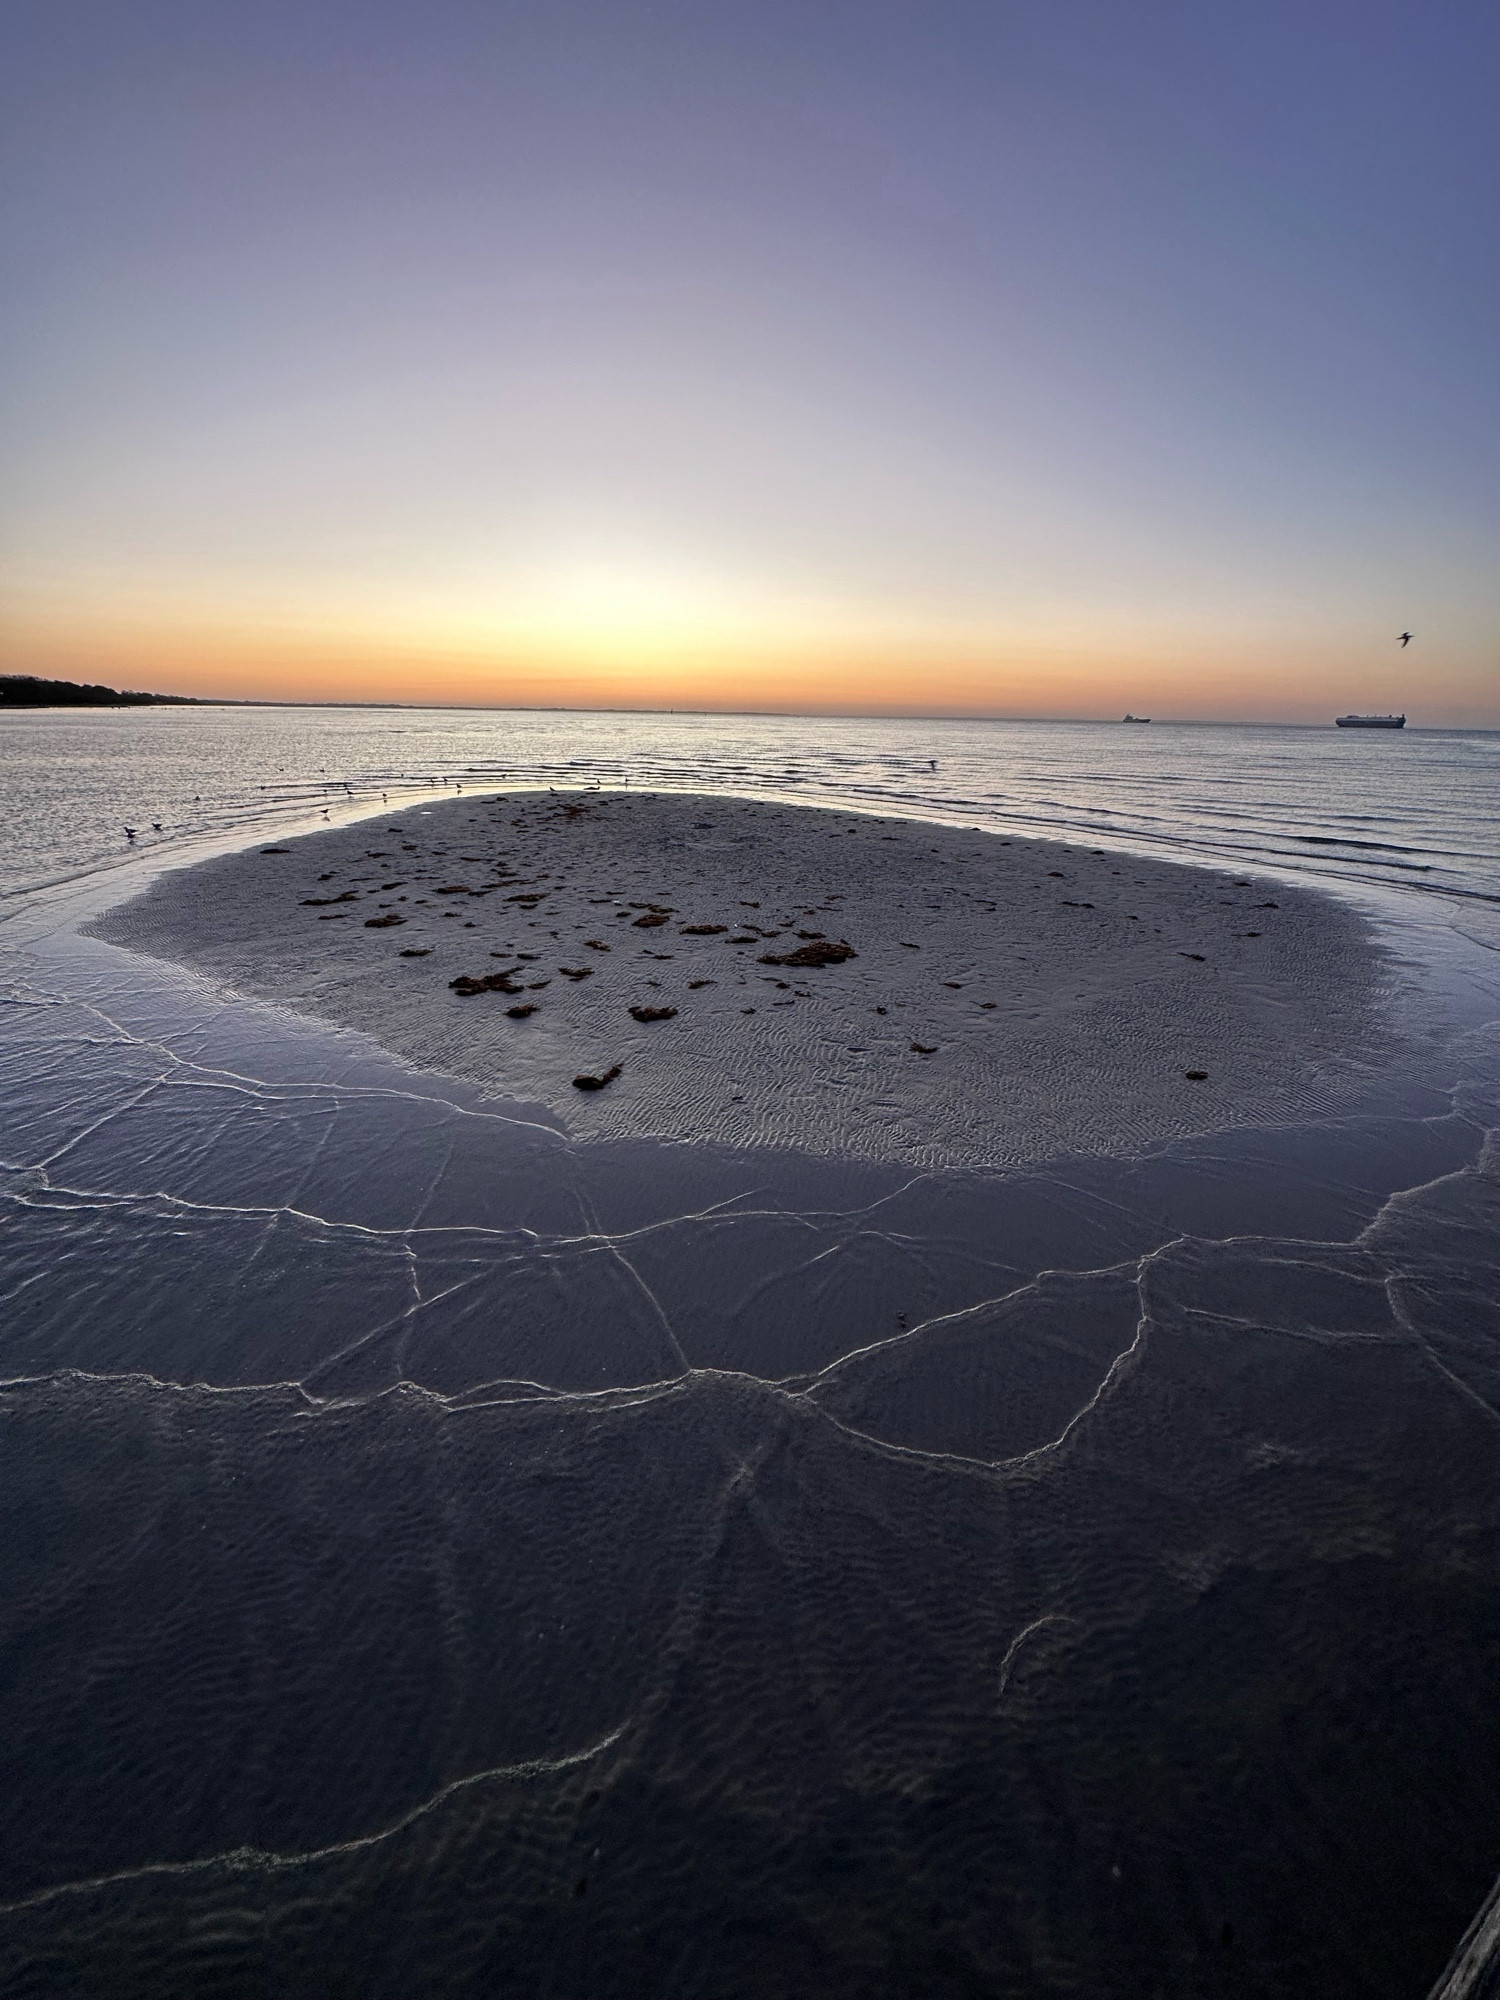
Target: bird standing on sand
(1404, 637)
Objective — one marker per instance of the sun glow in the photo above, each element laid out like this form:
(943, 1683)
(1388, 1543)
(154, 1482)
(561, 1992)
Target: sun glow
(604, 620)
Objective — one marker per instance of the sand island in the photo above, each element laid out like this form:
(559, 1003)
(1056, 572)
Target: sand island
(749, 973)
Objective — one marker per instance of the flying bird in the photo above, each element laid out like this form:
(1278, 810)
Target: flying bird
(1404, 637)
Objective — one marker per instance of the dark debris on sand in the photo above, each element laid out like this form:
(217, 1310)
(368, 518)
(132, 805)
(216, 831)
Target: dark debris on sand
(597, 1082)
(490, 982)
(822, 952)
(546, 871)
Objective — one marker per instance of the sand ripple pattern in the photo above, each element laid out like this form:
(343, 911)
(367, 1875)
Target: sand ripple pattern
(998, 999)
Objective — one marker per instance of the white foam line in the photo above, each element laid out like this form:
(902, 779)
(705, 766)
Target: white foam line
(1433, 1358)
(103, 1198)
(1112, 1375)
(1316, 1336)
(990, 1470)
(1025, 1633)
(267, 1861)
(458, 1404)
(183, 1071)
(131, 1103)
(388, 1328)
(1478, 1168)
(310, 1165)
(635, 1397)
(411, 1237)
(662, 1318)
(434, 1178)
(809, 1383)
(138, 1377)
(1469, 1974)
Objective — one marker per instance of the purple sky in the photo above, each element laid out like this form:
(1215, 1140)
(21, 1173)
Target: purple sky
(1066, 350)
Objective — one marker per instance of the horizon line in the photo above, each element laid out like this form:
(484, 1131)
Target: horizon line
(768, 714)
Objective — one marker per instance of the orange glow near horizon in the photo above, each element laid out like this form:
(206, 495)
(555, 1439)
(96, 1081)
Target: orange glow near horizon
(945, 672)
(577, 362)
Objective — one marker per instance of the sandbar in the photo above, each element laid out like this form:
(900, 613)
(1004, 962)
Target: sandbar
(742, 972)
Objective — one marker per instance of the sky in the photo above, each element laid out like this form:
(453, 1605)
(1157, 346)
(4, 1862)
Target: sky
(1047, 358)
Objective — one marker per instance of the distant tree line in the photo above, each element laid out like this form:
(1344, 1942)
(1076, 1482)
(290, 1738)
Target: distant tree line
(28, 691)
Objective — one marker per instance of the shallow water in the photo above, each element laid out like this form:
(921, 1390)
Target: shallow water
(444, 1558)
(1411, 809)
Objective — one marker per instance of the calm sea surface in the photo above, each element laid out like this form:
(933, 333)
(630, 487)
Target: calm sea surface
(1416, 810)
(448, 1553)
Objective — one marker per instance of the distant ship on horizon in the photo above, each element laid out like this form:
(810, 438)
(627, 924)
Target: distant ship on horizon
(1369, 722)
(1135, 718)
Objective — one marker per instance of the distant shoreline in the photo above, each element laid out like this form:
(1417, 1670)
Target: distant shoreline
(30, 691)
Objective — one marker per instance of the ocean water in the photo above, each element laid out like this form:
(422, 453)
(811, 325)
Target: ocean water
(1413, 809)
(445, 1558)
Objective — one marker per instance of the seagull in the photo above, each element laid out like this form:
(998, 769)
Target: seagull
(1404, 637)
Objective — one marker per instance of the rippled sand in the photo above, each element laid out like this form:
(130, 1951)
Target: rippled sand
(1001, 999)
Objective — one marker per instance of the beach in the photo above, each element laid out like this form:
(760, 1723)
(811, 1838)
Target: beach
(775, 1495)
(750, 1005)
(742, 972)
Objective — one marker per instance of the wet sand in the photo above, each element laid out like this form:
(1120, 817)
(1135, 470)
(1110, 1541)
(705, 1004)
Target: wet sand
(749, 973)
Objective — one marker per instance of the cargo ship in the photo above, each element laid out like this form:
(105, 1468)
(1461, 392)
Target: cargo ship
(1369, 722)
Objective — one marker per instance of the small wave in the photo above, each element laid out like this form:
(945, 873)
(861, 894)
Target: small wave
(1337, 840)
